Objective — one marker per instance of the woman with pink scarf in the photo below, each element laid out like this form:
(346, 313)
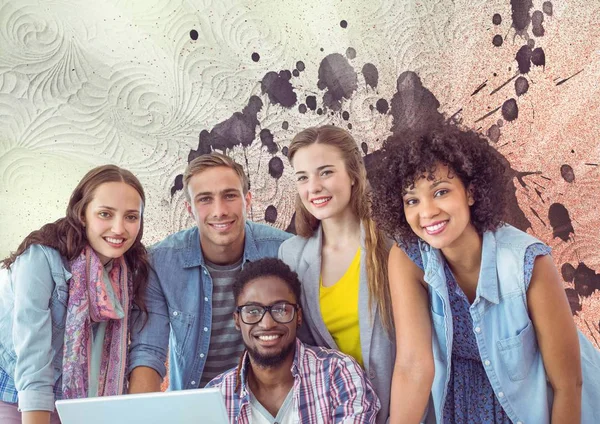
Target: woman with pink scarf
(65, 300)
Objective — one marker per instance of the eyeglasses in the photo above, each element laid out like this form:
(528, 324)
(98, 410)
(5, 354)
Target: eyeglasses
(282, 312)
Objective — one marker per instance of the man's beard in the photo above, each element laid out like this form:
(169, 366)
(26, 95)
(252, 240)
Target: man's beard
(272, 360)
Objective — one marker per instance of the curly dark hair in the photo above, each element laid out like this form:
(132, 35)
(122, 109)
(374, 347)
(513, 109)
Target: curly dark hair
(267, 267)
(467, 154)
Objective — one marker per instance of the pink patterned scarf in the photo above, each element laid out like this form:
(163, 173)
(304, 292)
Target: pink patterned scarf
(89, 303)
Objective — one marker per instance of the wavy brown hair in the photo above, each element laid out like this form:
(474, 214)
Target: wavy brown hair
(68, 236)
(360, 203)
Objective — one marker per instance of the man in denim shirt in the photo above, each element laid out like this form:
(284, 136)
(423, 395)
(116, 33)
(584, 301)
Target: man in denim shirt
(189, 297)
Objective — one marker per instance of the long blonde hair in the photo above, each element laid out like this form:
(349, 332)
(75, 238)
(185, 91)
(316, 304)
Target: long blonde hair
(360, 203)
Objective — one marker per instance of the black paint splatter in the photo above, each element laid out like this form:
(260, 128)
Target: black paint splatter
(414, 107)
(339, 78)
(520, 15)
(493, 133)
(371, 75)
(586, 280)
(350, 53)
(560, 222)
(266, 138)
(547, 8)
(382, 106)
(285, 151)
(345, 115)
(311, 102)
(521, 86)
(567, 173)
(296, 73)
(300, 66)
(496, 19)
(194, 34)
(497, 40)
(538, 57)
(271, 214)
(319, 111)
(344, 24)
(349, 126)
(285, 125)
(364, 147)
(302, 108)
(178, 185)
(279, 88)
(510, 110)
(524, 59)
(568, 272)
(537, 20)
(573, 298)
(238, 130)
(255, 57)
(531, 43)
(276, 167)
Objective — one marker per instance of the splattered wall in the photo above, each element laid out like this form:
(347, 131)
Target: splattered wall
(151, 84)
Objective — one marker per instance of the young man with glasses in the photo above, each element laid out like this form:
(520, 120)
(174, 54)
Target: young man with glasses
(280, 379)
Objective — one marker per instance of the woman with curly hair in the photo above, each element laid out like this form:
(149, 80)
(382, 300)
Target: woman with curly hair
(65, 300)
(340, 256)
(485, 329)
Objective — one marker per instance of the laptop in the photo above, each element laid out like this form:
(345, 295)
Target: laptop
(196, 406)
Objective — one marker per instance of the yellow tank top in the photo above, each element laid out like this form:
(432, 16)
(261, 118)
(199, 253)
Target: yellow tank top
(339, 309)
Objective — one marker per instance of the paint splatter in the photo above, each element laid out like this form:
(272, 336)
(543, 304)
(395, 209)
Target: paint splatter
(285, 151)
(496, 19)
(537, 27)
(568, 272)
(364, 147)
(344, 24)
(319, 111)
(285, 125)
(349, 126)
(531, 43)
(300, 66)
(255, 57)
(382, 106)
(493, 133)
(547, 8)
(345, 115)
(497, 40)
(271, 214)
(521, 86)
(371, 75)
(178, 185)
(586, 280)
(279, 88)
(311, 102)
(574, 302)
(350, 53)
(296, 73)
(524, 59)
(538, 57)
(276, 167)
(413, 107)
(338, 77)
(560, 222)
(302, 108)
(266, 138)
(194, 34)
(510, 110)
(238, 130)
(520, 15)
(567, 173)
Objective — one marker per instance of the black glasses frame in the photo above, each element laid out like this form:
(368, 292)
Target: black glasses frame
(266, 309)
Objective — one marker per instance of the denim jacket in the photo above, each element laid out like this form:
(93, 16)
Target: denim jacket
(33, 304)
(504, 332)
(179, 303)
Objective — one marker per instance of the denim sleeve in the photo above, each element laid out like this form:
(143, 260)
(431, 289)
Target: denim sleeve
(150, 332)
(33, 285)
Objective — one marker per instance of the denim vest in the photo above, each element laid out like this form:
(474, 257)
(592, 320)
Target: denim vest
(33, 305)
(179, 303)
(504, 332)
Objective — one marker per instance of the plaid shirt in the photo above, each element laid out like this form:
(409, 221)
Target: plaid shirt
(329, 387)
(9, 393)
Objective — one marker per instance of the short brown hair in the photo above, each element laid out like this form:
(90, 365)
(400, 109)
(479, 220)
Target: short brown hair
(212, 160)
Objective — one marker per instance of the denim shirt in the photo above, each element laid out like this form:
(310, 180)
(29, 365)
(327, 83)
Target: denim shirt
(33, 305)
(505, 335)
(179, 303)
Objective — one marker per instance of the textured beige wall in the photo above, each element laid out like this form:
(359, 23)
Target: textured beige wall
(139, 83)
